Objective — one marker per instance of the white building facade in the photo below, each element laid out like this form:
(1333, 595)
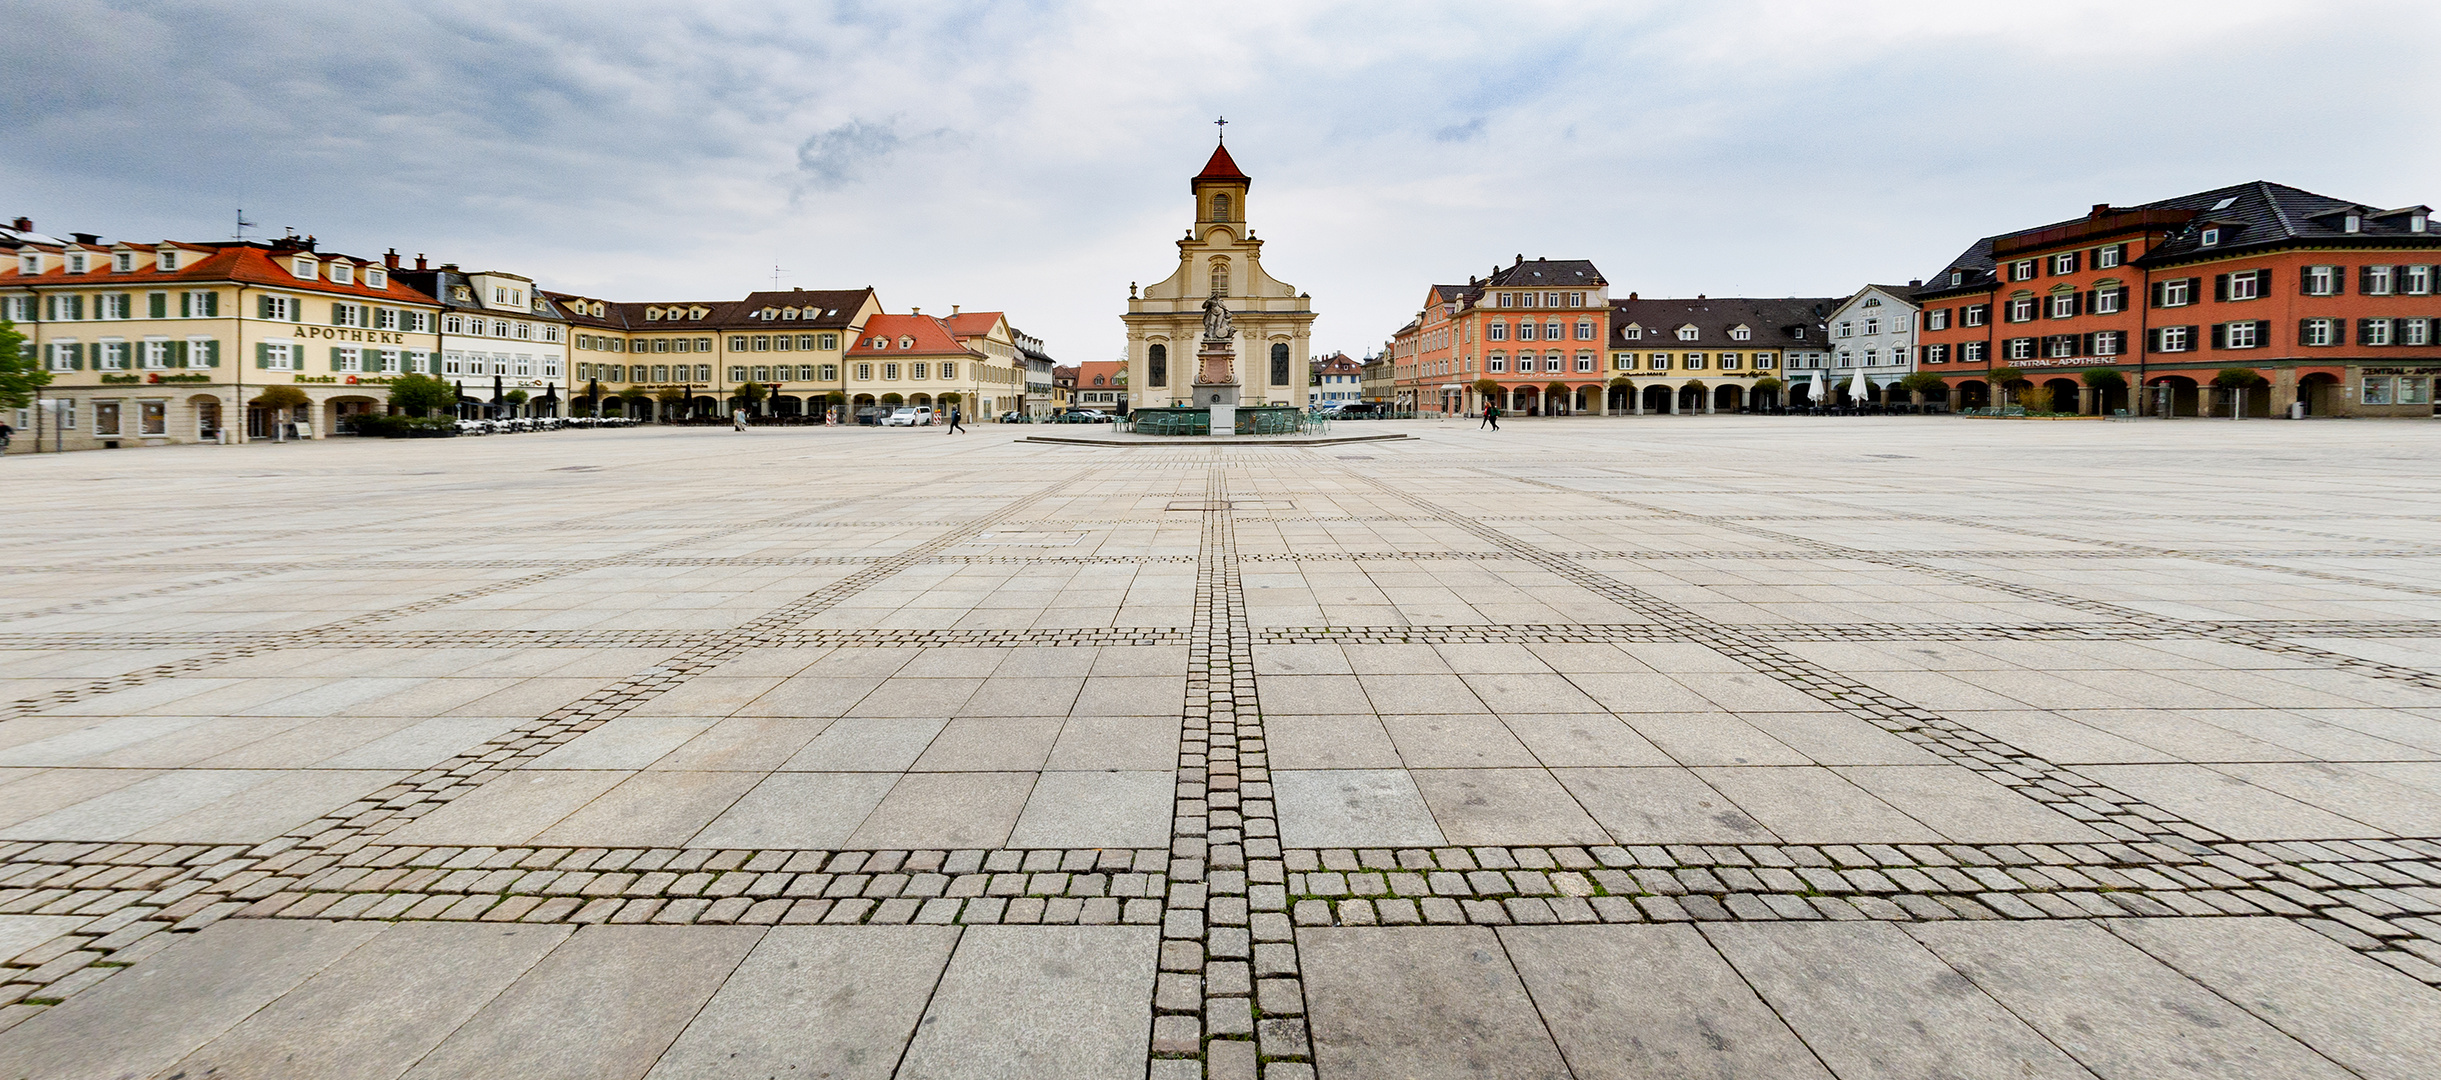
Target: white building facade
(1874, 331)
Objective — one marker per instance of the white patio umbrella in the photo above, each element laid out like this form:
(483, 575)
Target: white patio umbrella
(1859, 389)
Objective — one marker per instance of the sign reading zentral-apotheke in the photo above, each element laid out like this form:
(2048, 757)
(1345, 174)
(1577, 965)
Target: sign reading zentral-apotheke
(342, 333)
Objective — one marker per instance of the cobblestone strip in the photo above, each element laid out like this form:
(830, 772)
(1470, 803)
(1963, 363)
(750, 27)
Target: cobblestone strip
(2379, 897)
(1229, 1000)
(2116, 814)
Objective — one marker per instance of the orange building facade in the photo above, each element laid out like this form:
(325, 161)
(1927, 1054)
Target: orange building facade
(2335, 306)
(1531, 334)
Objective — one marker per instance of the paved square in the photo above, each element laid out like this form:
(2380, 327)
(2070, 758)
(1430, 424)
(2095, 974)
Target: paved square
(1600, 747)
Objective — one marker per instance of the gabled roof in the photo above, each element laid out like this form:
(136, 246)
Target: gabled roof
(1544, 274)
(249, 263)
(967, 324)
(2253, 215)
(1773, 321)
(1113, 374)
(1221, 167)
(836, 307)
(931, 337)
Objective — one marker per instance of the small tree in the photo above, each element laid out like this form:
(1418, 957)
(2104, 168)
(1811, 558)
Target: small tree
(2102, 378)
(516, 397)
(2237, 378)
(21, 377)
(419, 395)
(752, 393)
(1486, 387)
(281, 396)
(669, 397)
(2000, 378)
(1920, 385)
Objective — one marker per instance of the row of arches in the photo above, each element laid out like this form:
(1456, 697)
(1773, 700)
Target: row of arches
(777, 405)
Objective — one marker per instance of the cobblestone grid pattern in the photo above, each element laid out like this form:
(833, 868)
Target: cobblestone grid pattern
(2321, 627)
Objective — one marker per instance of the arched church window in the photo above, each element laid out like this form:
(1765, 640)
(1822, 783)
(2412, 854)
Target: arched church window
(1157, 364)
(1220, 207)
(1279, 365)
(1220, 277)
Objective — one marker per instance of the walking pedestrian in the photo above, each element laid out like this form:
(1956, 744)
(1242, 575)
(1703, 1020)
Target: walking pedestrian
(1491, 417)
(737, 418)
(6, 433)
(956, 421)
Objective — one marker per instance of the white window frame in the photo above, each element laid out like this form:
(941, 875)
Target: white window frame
(2022, 309)
(2380, 281)
(2322, 280)
(2376, 332)
(2021, 348)
(2106, 257)
(2176, 339)
(2417, 281)
(2064, 305)
(2106, 301)
(2063, 263)
(2022, 270)
(2240, 335)
(2179, 293)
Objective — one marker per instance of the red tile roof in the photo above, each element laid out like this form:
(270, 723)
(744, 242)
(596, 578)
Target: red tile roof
(932, 337)
(973, 323)
(1221, 167)
(245, 263)
(1113, 374)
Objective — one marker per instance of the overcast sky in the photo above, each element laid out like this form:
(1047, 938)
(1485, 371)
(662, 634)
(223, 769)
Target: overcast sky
(1032, 157)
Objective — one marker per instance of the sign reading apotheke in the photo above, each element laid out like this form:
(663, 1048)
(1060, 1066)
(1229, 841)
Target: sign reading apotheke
(341, 333)
(157, 377)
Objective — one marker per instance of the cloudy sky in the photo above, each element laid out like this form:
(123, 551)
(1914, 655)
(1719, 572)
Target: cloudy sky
(1032, 157)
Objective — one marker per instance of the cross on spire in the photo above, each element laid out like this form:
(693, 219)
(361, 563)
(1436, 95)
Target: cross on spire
(1223, 125)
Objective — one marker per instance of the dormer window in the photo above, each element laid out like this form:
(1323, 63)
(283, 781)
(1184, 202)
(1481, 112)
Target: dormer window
(2209, 237)
(122, 262)
(788, 313)
(303, 268)
(905, 342)
(29, 263)
(2415, 223)
(1740, 333)
(166, 260)
(696, 313)
(2352, 223)
(462, 294)
(376, 278)
(342, 274)
(1632, 332)
(771, 313)
(1686, 333)
(652, 314)
(1957, 277)
(76, 262)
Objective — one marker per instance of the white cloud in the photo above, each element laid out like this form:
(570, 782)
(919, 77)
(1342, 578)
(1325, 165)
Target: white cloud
(1033, 157)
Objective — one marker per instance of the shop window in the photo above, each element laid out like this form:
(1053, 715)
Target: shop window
(2376, 392)
(152, 418)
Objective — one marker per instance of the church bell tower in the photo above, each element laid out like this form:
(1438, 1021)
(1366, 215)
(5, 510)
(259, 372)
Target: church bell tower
(1264, 324)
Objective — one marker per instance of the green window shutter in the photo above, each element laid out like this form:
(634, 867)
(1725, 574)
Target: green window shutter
(177, 354)
(296, 310)
(334, 358)
(211, 305)
(262, 307)
(211, 353)
(76, 356)
(76, 307)
(186, 305)
(158, 304)
(262, 354)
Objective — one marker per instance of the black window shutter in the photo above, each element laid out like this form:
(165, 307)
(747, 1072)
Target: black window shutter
(2220, 288)
(2263, 282)
(2076, 261)
(2157, 287)
(2220, 336)
(2263, 333)
(2364, 279)
(2152, 340)
(2339, 331)
(2085, 345)
(2305, 329)
(2339, 281)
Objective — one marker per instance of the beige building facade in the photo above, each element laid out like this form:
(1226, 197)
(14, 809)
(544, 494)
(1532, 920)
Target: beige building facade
(1269, 324)
(167, 343)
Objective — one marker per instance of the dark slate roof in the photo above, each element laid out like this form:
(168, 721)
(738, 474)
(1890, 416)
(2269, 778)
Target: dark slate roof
(2254, 215)
(1544, 274)
(837, 307)
(443, 284)
(1774, 321)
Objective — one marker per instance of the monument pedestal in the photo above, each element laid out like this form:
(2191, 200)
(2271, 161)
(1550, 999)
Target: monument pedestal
(1216, 385)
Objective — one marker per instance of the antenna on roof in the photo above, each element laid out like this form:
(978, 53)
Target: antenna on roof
(775, 276)
(242, 224)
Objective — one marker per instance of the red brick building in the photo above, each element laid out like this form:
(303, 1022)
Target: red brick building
(2332, 303)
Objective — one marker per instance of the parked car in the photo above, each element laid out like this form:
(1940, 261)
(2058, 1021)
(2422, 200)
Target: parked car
(872, 417)
(1357, 410)
(1082, 416)
(910, 416)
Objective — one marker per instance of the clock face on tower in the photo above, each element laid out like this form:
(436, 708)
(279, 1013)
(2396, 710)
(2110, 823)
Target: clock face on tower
(1221, 306)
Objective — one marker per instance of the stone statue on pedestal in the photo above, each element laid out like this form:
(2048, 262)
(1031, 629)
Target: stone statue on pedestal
(1216, 320)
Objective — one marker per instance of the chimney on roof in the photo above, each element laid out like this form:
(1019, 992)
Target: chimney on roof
(953, 309)
(1521, 259)
(451, 267)
(85, 237)
(390, 258)
(2100, 209)
(1699, 296)
(1915, 283)
(25, 224)
(310, 241)
(915, 311)
(1631, 294)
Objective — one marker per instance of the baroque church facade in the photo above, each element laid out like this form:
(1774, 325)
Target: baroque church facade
(1219, 295)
